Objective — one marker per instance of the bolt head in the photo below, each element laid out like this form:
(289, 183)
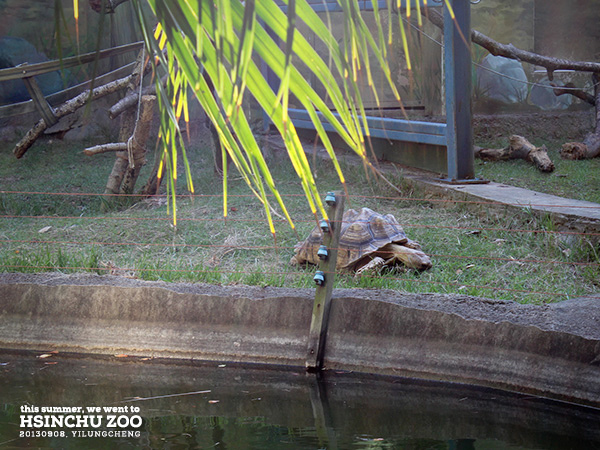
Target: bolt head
(319, 278)
(330, 199)
(324, 226)
(322, 253)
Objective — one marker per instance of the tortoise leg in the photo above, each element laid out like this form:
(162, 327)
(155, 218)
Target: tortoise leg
(371, 266)
(412, 244)
(410, 257)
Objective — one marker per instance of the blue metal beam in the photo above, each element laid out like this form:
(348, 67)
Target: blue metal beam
(385, 128)
(364, 5)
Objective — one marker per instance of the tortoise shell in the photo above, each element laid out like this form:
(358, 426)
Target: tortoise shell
(363, 233)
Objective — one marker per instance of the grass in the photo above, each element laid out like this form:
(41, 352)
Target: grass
(504, 256)
(572, 179)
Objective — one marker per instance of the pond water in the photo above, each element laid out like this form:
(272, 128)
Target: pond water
(227, 406)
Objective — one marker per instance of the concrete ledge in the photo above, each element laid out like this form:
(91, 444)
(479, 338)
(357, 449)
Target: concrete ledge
(550, 350)
(109, 315)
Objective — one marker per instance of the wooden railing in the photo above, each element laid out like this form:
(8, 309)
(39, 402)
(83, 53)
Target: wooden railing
(28, 72)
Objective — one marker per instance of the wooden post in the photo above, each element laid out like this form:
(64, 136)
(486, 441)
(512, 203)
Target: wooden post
(322, 412)
(322, 305)
(40, 102)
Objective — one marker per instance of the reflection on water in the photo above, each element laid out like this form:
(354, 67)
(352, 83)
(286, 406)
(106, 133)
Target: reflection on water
(224, 406)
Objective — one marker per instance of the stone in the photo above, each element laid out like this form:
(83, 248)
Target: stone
(15, 51)
(501, 79)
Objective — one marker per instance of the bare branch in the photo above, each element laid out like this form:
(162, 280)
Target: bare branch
(512, 52)
(68, 108)
(105, 148)
(569, 88)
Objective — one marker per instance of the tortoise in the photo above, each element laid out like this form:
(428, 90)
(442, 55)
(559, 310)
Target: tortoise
(367, 240)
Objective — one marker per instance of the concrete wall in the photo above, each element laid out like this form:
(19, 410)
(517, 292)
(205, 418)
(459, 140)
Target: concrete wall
(550, 350)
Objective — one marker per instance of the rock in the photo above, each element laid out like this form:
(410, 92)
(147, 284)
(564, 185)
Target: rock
(15, 51)
(492, 84)
(543, 97)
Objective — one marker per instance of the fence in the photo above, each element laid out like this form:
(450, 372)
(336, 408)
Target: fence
(43, 105)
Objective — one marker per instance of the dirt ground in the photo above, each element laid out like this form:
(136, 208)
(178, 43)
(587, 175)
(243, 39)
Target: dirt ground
(567, 126)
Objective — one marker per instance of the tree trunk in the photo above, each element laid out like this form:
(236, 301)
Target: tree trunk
(115, 179)
(109, 5)
(153, 183)
(137, 144)
(128, 164)
(217, 147)
(519, 148)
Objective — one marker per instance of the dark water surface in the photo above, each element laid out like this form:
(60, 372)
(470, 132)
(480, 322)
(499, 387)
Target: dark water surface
(226, 406)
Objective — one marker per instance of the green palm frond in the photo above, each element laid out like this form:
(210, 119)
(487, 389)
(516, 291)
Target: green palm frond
(210, 47)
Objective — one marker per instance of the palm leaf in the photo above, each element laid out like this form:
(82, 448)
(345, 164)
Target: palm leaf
(209, 48)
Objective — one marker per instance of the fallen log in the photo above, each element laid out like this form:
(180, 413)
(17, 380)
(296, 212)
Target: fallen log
(519, 148)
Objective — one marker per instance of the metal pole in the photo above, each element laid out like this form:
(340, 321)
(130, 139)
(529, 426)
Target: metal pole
(457, 66)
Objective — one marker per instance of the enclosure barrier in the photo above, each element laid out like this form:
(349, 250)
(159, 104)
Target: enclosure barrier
(524, 348)
(456, 135)
(43, 105)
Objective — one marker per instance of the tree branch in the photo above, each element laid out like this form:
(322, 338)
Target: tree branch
(132, 98)
(104, 148)
(569, 88)
(70, 107)
(512, 52)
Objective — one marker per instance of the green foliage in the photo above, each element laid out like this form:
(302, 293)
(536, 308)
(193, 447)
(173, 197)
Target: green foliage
(213, 44)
